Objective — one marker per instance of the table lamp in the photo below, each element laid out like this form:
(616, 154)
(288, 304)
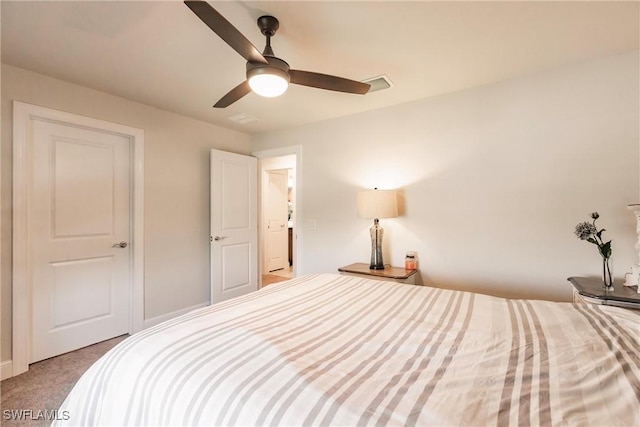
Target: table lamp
(377, 204)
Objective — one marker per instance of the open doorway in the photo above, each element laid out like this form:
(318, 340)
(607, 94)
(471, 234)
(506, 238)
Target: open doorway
(277, 202)
(278, 219)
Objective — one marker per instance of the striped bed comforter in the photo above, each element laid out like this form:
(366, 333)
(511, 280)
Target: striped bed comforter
(340, 350)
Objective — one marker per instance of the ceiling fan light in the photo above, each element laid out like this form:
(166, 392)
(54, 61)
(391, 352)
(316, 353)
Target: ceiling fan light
(268, 85)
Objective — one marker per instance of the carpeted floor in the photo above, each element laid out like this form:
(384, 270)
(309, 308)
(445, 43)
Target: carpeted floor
(46, 384)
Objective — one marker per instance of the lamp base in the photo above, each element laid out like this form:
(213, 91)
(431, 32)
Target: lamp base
(376, 233)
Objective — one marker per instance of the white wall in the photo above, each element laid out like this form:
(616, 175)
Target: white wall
(176, 187)
(493, 179)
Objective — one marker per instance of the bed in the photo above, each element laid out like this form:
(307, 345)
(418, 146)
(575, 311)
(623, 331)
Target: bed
(336, 350)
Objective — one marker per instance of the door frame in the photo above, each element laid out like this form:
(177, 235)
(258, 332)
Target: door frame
(298, 239)
(23, 114)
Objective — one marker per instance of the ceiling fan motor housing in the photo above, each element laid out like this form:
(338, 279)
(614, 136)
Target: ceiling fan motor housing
(276, 66)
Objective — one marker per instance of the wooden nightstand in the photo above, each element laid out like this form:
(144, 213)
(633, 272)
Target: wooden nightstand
(589, 291)
(389, 274)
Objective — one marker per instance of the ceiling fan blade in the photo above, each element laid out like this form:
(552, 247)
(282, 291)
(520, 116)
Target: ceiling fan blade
(225, 30)
(234, 94)
(325, 81)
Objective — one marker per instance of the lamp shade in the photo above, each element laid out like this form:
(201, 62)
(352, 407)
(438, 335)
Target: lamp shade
(377, 204)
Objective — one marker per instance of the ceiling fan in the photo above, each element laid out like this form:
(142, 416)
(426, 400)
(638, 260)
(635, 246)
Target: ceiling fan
(267, 75)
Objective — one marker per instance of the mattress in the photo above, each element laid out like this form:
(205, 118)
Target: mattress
(337, 350)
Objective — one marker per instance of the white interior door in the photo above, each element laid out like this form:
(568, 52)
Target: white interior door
(277, 244)
(80, 212)
(234, 225)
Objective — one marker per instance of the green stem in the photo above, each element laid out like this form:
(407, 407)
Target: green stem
(597, 238)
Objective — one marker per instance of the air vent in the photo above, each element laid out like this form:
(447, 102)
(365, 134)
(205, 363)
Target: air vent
(379, 83)
(242, 118)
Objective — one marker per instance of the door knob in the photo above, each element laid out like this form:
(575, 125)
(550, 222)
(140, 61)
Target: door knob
(219, 238)
(122, 244)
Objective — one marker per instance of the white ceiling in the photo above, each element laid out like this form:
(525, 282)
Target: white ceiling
(159, 53)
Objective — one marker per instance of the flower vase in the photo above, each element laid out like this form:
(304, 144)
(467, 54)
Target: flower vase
(607, 277)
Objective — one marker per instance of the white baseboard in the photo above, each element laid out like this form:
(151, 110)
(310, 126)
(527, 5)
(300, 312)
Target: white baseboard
(164, 317)
(7, 369)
